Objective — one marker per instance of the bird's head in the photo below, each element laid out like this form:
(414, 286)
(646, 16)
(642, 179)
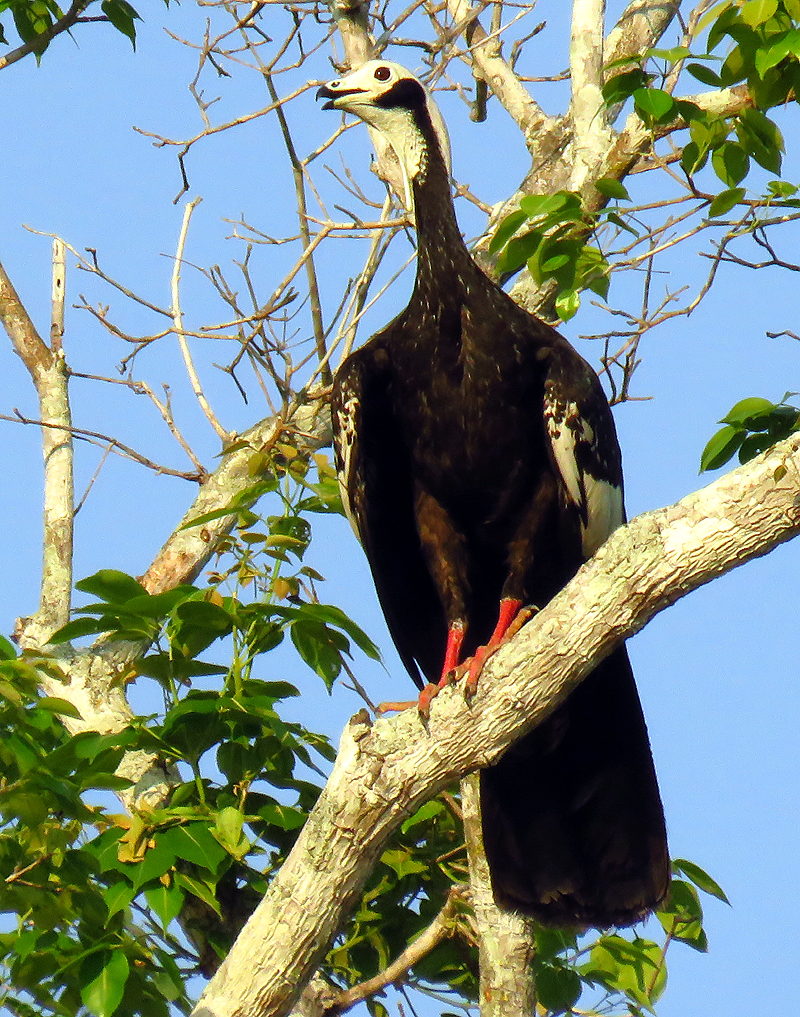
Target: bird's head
(392, 101)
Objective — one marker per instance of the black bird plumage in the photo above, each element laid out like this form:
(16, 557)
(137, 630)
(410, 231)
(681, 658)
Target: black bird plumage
(479, 464)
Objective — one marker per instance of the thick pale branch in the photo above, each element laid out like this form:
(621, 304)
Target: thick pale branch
(49, 374)
(187, 551)
(386, 770)
(591, 135)
(501, 78)
(641, 25)
(506, 944)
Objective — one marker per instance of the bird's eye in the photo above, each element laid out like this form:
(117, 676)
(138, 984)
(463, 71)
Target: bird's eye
(382, 73)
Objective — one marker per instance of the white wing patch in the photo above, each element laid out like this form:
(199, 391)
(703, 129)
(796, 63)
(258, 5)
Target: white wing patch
(599, 502)
(346, 417)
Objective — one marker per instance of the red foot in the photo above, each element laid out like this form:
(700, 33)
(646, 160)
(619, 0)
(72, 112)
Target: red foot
(452, 655)
(511, 618)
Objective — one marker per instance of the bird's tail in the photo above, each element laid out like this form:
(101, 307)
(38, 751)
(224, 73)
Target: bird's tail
(572, 820)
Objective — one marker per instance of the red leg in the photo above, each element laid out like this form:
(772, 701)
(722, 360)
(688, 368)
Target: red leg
(508, 612)
(509, 609)
(452, 657)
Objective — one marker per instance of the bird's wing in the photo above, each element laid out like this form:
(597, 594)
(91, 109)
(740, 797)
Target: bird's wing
(377, 489)
(584, 446)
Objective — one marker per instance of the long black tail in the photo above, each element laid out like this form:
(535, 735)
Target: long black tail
(572, 819)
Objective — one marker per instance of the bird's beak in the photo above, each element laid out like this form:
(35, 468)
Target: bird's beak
(335, 91)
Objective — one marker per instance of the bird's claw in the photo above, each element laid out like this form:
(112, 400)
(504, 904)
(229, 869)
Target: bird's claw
(432, 690)
(474, 667)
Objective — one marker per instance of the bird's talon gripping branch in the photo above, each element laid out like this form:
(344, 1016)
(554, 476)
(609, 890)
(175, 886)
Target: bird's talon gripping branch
(396, 707)
(426, 697)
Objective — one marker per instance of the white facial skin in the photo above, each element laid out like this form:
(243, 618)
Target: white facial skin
(357, 93)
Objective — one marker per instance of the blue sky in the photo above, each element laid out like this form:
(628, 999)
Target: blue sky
(717, 672)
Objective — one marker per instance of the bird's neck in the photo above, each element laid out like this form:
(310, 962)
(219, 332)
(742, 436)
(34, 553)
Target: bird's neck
(443, 261)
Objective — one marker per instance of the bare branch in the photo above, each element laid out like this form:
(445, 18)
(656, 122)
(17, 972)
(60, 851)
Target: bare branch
(591, 135)
(177, 319)
(50, 378)
(440, 928)
(499, 75)
(640, 26)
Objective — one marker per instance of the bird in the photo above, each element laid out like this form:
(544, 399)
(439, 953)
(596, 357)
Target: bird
(479, 466)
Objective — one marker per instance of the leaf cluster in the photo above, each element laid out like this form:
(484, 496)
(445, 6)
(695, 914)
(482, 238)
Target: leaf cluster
(71, 949)
(553, 243)
(751, 426)
(36, 20)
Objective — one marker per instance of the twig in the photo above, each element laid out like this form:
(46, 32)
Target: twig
(440, 928)
(177, 319)
(96, 438)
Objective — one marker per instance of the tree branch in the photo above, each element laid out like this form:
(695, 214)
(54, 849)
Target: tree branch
(49, 373)
(440, 928)
(387, 770)
(506, 944)
(41, 41)
(591, 135)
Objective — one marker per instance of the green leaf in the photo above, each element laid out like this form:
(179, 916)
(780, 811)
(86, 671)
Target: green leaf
(80, 627)
(111, 585)
(201, 889)
(165, 901)
(704, 74)
(761, 137)
(104, 975)
(700, 878)
(284, 817)
(747, 410)
(671, 55)
(621, 86)
(567, 304)
(558, 988)
(60, 707)
(629, 967)
(731, 163)
(725, 201)
(423, 814)
(157, 861)
(194, 843)
(788, 44)
(756, 12)
(721, 448)
(612, 188)
(754, 445)
(122, 17)
(535, 205)
(653, 104)
(402, 862)
(320, 647)
(118, 896)
(518, 250)
(228, 832)
(506, 230)
(726, 16)
(7, 649)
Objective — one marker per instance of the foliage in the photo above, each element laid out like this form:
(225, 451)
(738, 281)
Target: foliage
(571, 240)
(751, 427)
(37, 22)
(554, 245)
